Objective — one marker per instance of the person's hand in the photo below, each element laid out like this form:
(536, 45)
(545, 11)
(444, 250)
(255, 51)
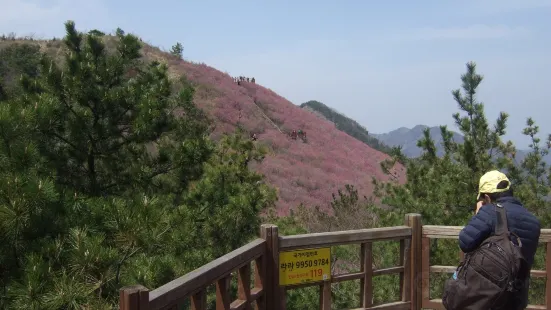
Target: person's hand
(479, 205)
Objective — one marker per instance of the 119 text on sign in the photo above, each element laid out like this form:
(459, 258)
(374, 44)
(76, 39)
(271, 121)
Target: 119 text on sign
(304, 266)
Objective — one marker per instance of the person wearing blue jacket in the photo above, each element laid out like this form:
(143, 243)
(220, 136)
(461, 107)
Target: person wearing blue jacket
(495, 187)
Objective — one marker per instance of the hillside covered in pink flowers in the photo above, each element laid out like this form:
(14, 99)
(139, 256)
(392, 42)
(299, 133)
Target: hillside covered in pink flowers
(303, 172)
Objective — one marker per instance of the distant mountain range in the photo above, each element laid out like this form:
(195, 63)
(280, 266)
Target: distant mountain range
(405, 137)
(408, 137)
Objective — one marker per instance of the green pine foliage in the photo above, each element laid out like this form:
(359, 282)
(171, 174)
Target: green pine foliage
(108, 178)
(17, 59)
(177, 50)
(102, 185)
(442, 189)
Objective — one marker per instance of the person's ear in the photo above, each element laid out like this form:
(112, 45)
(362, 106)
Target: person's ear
(487, 199)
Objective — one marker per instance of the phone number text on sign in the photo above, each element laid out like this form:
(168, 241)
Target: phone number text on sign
(303, 266)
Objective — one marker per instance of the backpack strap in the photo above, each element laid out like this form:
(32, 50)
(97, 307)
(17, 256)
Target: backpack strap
(501, 220)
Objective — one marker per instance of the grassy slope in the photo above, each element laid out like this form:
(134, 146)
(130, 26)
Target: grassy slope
(302, 172)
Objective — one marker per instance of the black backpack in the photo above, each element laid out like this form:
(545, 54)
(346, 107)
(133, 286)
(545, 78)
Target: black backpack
(492, 276)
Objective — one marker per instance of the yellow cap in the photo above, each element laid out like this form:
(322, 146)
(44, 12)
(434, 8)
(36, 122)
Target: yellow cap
(489, 181)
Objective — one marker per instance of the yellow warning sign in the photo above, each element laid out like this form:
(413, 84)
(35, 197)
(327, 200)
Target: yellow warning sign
(304, 266)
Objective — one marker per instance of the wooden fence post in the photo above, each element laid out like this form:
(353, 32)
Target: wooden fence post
(279, 292)
(405, 260)
(548, 275)
(325, 295)
(135, 297)
(413, 220)
(199, 300)
(223, 293)
(366, 283)
(273, 300)
(260, 281)
(244, 285)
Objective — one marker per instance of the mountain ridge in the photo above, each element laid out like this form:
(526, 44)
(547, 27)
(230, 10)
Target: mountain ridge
(407, 139)
(345, 124)
(302, 172)
(404, 137)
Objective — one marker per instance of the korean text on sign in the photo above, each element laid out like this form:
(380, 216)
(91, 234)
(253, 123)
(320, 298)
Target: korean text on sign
(303, 266)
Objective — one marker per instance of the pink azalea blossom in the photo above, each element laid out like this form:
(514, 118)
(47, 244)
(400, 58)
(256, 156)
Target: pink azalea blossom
(305, 173)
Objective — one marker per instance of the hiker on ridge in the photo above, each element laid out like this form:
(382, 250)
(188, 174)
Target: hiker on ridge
(499, 243)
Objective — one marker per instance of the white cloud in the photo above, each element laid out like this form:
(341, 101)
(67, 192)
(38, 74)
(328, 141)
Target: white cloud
(473, 32)
(503, 6)
(26, 17)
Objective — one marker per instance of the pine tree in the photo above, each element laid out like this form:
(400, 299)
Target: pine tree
(177, 50)
(442, 189)
(108, 178)
(17, 60)
(103, 111)
(227, 188)
(533, 174)
(28, 200)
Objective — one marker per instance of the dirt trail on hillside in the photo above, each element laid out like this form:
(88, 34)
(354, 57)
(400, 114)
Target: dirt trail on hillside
(267, 117)
(247, 92)
(306, 173)
(302, 173)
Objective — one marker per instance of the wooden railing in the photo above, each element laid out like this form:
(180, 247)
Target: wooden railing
(193, 285)
(267, 293)
(409, 236)
(452, 232)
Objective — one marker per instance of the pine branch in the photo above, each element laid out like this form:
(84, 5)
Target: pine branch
(75, 148)
(126, 256)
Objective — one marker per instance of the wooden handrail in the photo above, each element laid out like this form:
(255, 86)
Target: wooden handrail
(205, 275)
(452, 232)
(194, 284)
(318, 240)
(267, 294)
(409, 236)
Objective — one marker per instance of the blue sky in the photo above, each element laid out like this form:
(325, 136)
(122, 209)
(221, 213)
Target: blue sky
(386, 64)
